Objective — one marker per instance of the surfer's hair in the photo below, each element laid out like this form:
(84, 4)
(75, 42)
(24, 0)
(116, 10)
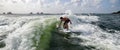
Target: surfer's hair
(61, 17)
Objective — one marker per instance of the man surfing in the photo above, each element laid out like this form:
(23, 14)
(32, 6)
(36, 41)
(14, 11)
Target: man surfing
(66, 21)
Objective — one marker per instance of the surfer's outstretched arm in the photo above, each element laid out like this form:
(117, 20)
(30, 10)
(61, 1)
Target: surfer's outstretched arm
(70, 22)
(60, 23)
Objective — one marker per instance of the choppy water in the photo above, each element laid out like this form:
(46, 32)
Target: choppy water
(95, 32)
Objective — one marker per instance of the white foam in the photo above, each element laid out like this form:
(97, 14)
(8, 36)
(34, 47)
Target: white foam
(88, 18)
(95, 36)
(19, 31)
(86, 28)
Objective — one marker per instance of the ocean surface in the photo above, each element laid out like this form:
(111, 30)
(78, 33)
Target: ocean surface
(39, 32)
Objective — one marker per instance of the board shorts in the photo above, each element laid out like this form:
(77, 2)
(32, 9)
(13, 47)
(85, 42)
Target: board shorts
(67, 21)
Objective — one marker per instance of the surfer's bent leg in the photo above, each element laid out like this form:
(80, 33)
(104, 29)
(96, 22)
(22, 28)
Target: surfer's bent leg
(65, 26)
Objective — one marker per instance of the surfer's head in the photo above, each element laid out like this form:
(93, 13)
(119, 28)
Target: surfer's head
(61, 17)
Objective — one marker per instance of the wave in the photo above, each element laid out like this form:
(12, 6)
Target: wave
(39, 33)
(24, 33)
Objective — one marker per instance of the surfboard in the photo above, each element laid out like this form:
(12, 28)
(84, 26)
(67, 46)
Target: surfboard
(62, 29)
(65, 31)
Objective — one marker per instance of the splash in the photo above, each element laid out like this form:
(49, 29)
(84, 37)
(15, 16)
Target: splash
(68, 12)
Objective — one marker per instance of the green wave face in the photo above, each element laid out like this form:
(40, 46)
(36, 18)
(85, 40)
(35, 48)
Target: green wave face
(42, 36)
